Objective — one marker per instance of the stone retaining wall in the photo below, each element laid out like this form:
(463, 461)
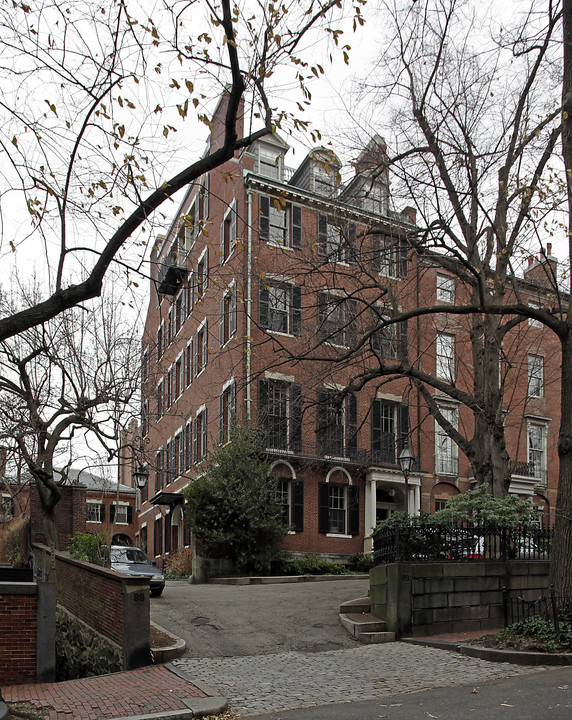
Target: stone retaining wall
(434, 598)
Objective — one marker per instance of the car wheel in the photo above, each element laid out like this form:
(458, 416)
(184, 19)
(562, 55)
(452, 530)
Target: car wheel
(156, 592)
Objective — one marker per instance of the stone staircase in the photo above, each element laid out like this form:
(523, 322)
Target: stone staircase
(356, 617)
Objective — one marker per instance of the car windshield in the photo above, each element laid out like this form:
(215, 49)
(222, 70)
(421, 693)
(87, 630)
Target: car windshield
(128, 555)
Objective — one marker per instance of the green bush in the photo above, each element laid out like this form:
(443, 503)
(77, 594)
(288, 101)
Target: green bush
(360, 562)
(88, 547)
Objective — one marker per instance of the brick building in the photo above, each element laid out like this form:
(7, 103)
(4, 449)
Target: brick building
(264, 279)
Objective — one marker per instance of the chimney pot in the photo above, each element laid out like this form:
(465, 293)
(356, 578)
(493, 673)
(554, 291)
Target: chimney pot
(549, 248)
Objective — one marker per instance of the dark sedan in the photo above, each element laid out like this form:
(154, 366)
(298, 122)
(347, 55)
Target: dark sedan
(133, 561)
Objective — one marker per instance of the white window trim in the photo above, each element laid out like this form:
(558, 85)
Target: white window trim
(118, 505)
(445, 288)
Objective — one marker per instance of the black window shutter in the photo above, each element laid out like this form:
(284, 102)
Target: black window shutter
(264, 220)
(298, 505)
(296, 417)
(375, 253)
(403, 339)
(376, 425)
(403, 260)
(322, 234)
(352, 426)
(102, 512)
(263, 388)
(296, 310)
(221, 437)
(111, 513)
(322, 309)
(352, 239)
(323, 508)
(322, 420)
(403, 426)
(129, 514)
(263, 304)
(353, 510)
(296, 227)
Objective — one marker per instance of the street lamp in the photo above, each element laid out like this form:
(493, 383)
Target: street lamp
(141, 475)
(406, 461)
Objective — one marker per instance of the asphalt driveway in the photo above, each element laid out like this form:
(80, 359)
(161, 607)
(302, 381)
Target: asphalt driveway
(231, 620)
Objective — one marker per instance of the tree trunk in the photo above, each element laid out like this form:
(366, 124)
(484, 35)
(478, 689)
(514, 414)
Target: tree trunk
(561, 561)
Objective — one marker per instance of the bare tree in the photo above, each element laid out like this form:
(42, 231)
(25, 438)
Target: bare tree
(71, 380)
(92, 95)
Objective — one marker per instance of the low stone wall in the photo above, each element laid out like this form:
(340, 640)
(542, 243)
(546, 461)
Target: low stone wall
(114, 607)
(419, 599)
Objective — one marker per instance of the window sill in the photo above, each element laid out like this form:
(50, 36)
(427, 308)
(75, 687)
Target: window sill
(339, 535)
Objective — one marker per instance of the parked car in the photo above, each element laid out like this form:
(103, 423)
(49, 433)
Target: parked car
(133, 561)
(524, 548)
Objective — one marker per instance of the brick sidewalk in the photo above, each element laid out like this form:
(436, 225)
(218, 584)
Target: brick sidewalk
(148, 690)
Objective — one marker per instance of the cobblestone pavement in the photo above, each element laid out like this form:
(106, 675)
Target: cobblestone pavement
(285, 681)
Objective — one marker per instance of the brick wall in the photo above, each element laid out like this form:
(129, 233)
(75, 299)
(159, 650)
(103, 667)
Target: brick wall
(18, 633)
(70, 514)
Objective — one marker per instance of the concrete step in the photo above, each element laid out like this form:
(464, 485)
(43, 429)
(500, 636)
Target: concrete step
(360, 605)
(371, 638)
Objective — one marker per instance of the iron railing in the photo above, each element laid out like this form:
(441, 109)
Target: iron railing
(549, 606)
(413, 541)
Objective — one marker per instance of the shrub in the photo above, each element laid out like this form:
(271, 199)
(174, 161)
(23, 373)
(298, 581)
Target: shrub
(542, 629)
(88, 547)
(360, 562)
(14, 542)
(180, 564)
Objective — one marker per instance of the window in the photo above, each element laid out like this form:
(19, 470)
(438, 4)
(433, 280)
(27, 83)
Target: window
(227, 410)
(178, 379)
(537, 450)
(159, 456)
(160, 340)
(445, 288)
(200, 436)
(531, 321)
(336, 424)
(292, 494)
(336, 240)
(169, 389)
(441, 503)
(535, 375)
(269, 162)
(445, 356)
(280, 414)
(228, 233)
(201, 348)
(389, 256)
(446, 450)
(227, 322)
(145, 366)
(387, 341)
(94, 511)
(279, 222)
(389, 430)
(338, 509)
(280, 308)
(202, 275)
(336, 316)
(121, 513)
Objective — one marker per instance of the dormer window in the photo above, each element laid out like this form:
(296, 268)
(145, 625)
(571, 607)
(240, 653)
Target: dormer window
(269, 162)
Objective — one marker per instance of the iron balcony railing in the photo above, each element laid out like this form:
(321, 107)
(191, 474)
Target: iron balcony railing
(530, 470)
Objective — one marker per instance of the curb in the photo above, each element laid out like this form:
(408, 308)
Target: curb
(169, 652)
(278, 579)
(493, 655)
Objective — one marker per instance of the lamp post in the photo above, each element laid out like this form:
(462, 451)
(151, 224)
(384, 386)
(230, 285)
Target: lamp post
(141, 475)
(406, 461)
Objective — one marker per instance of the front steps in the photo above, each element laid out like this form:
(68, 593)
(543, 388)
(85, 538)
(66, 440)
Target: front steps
(356, 617)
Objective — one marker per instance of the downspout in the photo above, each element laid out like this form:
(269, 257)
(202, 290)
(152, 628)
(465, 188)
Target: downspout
(248, 303)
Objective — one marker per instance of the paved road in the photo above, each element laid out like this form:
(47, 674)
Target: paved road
(540, 696)
(230, 620)
(285, 681)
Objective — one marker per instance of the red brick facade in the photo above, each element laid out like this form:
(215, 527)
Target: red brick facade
(244, 283)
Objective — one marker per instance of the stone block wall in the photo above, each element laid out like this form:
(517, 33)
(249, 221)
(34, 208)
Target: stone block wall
(434, 598)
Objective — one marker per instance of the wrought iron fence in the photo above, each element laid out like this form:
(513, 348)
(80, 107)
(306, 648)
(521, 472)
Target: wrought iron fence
(550, 606)
(413, 541)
